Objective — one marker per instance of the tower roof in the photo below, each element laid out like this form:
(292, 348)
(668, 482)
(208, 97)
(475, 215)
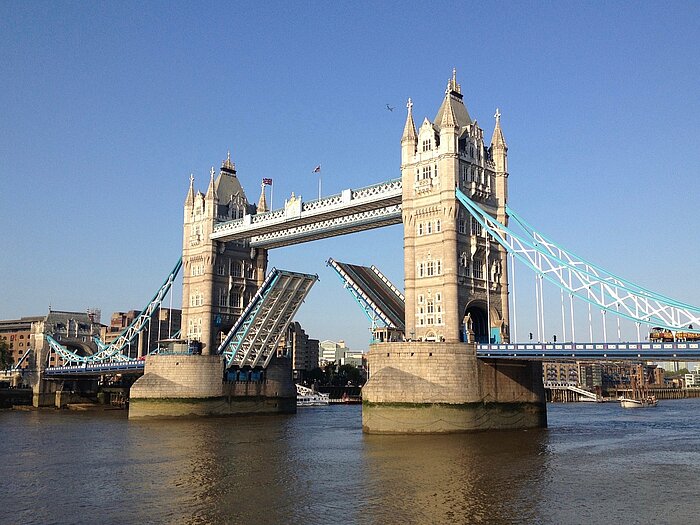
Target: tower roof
(227, 185)
(409, 130)
(211, 189)
(498, 139)
(262, 203)
(190, 194)
(227, 165)
(453, 100)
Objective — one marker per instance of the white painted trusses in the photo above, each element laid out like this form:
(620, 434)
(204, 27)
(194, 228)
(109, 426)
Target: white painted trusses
(584, 280)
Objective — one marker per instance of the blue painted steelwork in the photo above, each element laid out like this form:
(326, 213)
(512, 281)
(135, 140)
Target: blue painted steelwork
(92, 369)
(595, 351)
(232, 342)
(586, 282)
(253, 339)
(71, 358)
(601, 273)
(370, 300)
(115, 350)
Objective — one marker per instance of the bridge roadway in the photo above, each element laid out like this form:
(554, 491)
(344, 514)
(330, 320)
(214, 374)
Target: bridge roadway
(350, 211)
(96, 369)
(592, 351)
(524, 351)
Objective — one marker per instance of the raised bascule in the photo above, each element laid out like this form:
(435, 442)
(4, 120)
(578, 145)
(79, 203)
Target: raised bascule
(443, 357)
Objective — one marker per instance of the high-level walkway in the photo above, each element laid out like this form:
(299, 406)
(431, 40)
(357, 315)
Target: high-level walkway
(350, 211)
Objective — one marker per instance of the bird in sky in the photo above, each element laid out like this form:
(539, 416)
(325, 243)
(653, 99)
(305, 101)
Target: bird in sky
(390, 108)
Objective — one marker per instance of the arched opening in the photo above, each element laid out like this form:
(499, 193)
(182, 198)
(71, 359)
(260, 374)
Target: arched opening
(479, 323)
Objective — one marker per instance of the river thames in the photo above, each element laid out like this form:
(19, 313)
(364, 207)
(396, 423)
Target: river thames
(596, 463)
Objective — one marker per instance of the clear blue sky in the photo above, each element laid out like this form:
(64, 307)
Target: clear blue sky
(107, 107)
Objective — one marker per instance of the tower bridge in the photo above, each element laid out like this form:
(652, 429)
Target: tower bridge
(298, 221)
(448, 359)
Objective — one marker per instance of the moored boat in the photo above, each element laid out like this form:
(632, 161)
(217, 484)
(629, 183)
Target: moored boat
(309, 398)
(628, 402)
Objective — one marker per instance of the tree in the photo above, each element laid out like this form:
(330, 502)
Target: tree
(348, 374)
(6, 360)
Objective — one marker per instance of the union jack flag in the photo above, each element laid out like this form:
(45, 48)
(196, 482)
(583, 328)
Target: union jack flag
(267, 182)
(317, 169)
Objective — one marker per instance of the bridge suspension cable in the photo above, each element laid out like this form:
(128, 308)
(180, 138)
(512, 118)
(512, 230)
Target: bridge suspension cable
(585, 280)
(114, 352)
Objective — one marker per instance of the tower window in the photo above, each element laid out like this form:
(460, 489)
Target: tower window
(235, 300)
(429, 228)
(461, 226)
(438, 226)
(477, 269)
(420, 228)
(476, 227)
(426, 145)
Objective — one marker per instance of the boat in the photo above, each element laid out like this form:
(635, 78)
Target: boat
(639, 399)
(628, 402)
(306, 397)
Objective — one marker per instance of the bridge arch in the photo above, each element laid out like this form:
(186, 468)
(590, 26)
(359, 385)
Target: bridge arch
(475, 314)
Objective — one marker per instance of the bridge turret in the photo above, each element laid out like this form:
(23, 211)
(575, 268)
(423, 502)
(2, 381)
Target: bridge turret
(409, 139)
(499, 148)
(219, 278)
(211, 198)
(451, 269)
(262, 202)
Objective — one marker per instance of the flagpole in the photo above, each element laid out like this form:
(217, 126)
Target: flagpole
(319, 185)
(272, 191)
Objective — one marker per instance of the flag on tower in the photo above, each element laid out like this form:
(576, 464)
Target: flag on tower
(317, 169)
(267, 182)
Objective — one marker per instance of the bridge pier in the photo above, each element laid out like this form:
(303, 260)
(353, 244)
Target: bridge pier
(182, 385)
(429, 387)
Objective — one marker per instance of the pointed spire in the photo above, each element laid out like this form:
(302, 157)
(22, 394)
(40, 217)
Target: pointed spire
(211, 190)
(448, 114)
(189, 200)
(227, 165)
(262, 203)
(498, 139)
(409, 130)
(453, 98)
(452, 86)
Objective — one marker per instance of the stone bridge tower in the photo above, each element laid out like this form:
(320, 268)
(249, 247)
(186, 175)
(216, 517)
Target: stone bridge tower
(452, 271)
(456, 291)
(219, 279)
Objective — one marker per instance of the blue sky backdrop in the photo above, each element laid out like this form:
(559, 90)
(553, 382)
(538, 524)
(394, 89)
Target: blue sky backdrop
(107, 107)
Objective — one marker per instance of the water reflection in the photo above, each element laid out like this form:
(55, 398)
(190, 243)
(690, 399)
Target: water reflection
(472, 478)
(318, 467)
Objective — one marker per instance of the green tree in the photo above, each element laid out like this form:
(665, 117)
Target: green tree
(348, 374)
(672, 373)
(6, 360)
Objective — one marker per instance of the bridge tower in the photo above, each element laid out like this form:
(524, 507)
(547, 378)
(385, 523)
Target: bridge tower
(452, 271)
(456, 290)
(219, 278)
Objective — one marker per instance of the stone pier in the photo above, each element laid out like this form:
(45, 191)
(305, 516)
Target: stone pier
(183, 385)
(431, 387)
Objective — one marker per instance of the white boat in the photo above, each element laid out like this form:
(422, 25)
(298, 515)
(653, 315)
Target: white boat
(628, 402)
(308, 398)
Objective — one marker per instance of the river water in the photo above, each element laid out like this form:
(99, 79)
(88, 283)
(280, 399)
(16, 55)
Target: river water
(596, 463)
